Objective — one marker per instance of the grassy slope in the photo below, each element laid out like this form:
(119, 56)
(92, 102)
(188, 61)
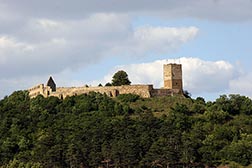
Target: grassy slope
(160, 105)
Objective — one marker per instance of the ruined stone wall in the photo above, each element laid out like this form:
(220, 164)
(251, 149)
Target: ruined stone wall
(164, 92)
(112, 91)
(172, 85)
(40, 90)
(144, 91)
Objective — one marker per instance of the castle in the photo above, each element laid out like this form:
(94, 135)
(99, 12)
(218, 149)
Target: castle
(172, 85)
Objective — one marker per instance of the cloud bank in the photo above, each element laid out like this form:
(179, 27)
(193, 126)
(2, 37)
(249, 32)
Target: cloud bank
(199, 76)
(53, 46)
(42, 47)
(222, 10)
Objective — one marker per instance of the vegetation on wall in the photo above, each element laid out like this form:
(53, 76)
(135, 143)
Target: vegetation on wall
(94, 130)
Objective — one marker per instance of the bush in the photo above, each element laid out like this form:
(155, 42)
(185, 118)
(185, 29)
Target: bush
(128, 97)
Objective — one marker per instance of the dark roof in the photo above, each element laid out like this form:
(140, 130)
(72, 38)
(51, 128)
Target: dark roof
(50, 81)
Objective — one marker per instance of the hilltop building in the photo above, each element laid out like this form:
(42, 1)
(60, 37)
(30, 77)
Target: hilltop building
(173, 76)
(172, 85)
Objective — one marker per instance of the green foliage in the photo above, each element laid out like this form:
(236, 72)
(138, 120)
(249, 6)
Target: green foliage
(120, 78)
(239, 151)
(128, 97)
(108, 84)
(235, 104)
(216, 116)
(199, 105)
(94, 130)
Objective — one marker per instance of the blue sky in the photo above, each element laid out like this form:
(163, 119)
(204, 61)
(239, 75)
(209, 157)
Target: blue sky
(82, 42)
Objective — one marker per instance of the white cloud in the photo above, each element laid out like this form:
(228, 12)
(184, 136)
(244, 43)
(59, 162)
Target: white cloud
(7, 42)
(73, 44)
(207, 76)
(9, 47)
(199, 76)
(45, 46)
(242, 85)
(48, 24)
(161, 39)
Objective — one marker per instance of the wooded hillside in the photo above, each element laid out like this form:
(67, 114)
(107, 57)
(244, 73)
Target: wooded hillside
(94, 130)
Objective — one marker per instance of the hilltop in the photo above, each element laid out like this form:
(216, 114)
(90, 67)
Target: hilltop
(173, 85)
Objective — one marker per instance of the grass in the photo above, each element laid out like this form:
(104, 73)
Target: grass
(160, 105)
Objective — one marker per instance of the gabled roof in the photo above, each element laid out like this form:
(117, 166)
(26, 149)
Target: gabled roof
(50, 81)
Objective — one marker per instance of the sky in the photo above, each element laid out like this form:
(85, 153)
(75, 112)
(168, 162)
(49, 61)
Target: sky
(83, 42)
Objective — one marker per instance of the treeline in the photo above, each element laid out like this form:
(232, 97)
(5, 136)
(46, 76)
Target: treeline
(97, 131)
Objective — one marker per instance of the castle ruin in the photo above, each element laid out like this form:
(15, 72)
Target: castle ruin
(172, 85)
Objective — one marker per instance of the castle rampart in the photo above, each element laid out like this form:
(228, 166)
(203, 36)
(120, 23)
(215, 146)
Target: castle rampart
(112, 91)
(40, 90)
(172, 85)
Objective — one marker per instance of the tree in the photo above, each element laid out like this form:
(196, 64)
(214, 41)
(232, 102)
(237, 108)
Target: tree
(164, 152)
(187, 94)
(239, 151)
(235, 104)
(108, 84)
(120, 78)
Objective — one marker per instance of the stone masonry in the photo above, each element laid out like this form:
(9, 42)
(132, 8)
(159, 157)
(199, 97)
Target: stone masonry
(173, 76)
(172, 85)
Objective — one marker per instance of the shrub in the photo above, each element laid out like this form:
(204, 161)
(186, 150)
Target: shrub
(128, 97)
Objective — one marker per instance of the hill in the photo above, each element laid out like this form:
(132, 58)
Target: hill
(94, 130)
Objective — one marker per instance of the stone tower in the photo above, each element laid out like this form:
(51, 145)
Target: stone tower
(173, 76)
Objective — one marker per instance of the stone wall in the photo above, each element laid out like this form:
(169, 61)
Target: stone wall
(172, 85)
(112, 91)
(164, 92)
(144, 91)
(39, 90)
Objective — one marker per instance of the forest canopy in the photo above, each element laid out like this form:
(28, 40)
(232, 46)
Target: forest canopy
(94, 130)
